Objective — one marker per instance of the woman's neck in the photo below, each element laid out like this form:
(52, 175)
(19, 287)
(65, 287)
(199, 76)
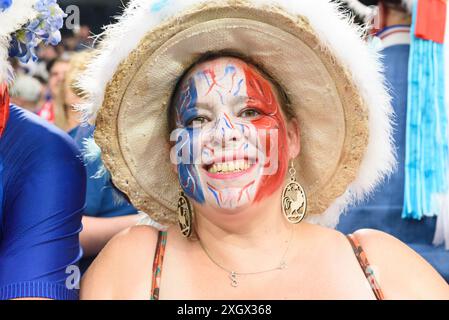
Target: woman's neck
(256, 234)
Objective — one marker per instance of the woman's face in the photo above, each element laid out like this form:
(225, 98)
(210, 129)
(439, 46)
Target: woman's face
(70, 97)
(56, 79)
(232, 137)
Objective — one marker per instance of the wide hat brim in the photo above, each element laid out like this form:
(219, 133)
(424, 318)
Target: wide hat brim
(132, 128)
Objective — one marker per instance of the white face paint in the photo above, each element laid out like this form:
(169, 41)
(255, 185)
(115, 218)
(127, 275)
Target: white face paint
(228, 119)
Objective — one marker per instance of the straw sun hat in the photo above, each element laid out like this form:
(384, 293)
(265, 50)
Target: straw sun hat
(332, 78)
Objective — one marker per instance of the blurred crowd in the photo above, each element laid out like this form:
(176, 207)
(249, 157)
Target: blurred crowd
(47, 87)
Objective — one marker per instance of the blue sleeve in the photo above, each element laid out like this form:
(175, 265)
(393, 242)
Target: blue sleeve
(102, 199)
(43, 207)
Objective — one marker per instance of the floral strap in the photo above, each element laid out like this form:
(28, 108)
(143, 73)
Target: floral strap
(366, 267)
(157, 264)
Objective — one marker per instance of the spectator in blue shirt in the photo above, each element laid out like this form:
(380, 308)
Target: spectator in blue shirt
(42, 192)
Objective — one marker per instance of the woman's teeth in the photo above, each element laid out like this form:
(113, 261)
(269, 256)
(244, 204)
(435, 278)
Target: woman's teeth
(230, 167)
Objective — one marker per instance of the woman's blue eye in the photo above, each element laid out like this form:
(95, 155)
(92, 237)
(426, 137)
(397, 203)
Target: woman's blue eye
(249, 113)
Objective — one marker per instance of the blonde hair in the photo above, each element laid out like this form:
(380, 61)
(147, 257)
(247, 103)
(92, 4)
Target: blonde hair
(78, 63)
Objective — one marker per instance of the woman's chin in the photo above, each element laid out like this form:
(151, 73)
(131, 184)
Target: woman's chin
(230, 209)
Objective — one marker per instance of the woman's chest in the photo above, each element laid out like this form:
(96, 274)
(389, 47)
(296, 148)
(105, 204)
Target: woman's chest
(200, 279)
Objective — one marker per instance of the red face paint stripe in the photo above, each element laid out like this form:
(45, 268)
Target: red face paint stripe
(260, 90)
(213, 78)
(245, 189)
(4, 107)
(229, 121)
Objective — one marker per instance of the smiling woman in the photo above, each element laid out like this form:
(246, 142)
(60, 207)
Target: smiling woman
(238, 113)
(271, 118)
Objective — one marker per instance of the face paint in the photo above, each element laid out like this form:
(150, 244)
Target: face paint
(261, 96)
(229, 111)
(187, 172)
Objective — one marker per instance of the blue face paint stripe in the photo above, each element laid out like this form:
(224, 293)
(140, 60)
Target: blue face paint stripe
(187, 103)
(190, 182)
(221, 97)
(226, 123)
(230, 69)
(215, 195)
(188, 173)
(239, 87)
(204, 75)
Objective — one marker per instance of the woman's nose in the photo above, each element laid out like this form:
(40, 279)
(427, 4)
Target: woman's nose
(225, 132)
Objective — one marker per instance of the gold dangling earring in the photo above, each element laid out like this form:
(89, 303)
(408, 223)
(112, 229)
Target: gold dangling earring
(185, 215)
(294, 201)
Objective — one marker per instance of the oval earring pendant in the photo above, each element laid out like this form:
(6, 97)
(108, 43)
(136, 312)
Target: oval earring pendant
(185, 215)
(294, 202)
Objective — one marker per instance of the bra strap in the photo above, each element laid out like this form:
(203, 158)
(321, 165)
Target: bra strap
(366, 267)
(157, 264)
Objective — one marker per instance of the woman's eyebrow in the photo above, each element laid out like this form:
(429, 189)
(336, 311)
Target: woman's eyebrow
(202, 105)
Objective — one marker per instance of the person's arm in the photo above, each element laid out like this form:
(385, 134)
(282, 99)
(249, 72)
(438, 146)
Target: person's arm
(98, 231)
(402, 273)
(100, 198)
(42, 213)
(123, 268)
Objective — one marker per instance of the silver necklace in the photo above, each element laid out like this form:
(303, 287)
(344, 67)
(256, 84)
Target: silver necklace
(233, 274)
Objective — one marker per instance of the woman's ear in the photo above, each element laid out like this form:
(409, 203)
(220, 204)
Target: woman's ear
(293, 138)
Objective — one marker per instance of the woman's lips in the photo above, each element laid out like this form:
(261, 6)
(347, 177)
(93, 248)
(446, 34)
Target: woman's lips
(230, 169)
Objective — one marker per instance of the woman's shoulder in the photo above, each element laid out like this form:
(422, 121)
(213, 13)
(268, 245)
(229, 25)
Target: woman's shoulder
(324, 236)
(401, 272)
(130, 243)
(332, 246)
(123, 268)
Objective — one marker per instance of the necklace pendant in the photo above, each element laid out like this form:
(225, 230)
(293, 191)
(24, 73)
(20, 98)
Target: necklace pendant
(283, 265)
(233, 277)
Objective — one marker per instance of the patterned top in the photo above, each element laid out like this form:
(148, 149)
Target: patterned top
(358, 250)
(157, 264)
(366, 267)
